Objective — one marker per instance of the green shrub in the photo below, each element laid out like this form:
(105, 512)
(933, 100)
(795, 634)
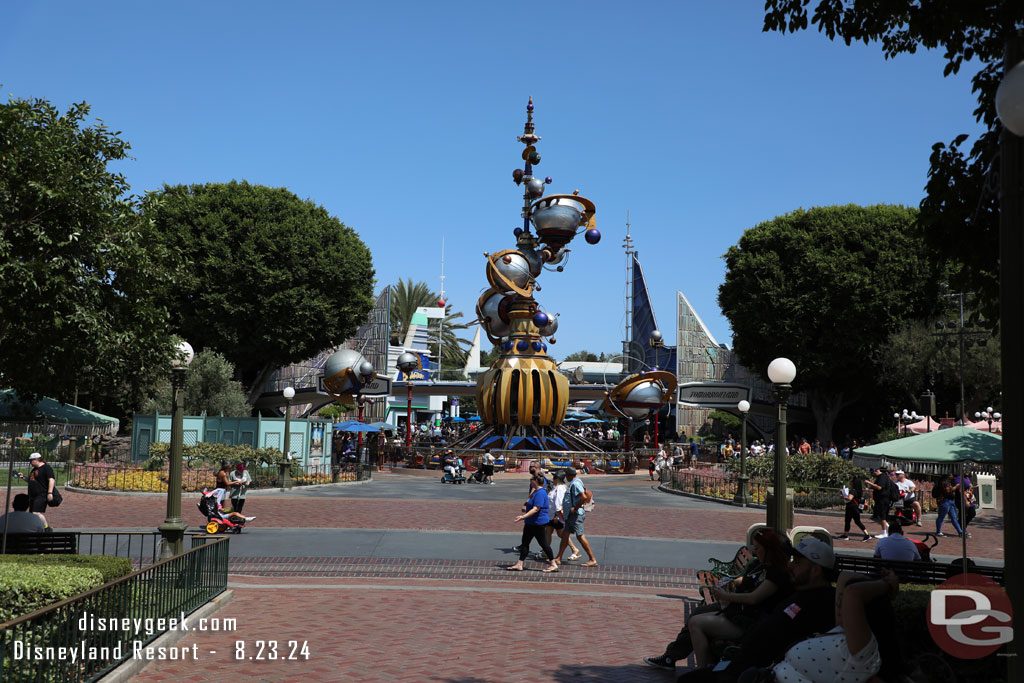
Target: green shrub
(820, 468)
(27, 588)
(110, 568)
(204, 455)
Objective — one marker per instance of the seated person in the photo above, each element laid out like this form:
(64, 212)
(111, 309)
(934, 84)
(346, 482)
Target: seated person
(806, 611)
(20, 520)
(451, 464)
(850, 651)
(218, 494)
(763, 582)
(897, 546)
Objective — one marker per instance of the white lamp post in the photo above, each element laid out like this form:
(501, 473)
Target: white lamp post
(285, 466)
(781, 373)
(742, 494)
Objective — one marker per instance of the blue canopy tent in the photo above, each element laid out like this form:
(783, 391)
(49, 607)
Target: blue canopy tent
(384, 426)
(592, 420)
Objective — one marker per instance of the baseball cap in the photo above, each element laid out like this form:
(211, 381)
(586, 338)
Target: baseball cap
(570, 471)
(36, 456)
(899, 472)
(817, 551)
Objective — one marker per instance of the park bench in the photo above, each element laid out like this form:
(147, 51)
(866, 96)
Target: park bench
(51, 543)
(722, 569)
(914, 572)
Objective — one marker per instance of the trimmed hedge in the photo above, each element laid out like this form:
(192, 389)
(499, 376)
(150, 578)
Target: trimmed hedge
(821, 468)
(110, 568)
(25, 588)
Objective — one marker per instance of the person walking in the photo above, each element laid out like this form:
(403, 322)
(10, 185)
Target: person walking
(945, 493)
(574, 516)
(880, 493)
(535, 517)
(239, 481)
(557, 523)
(969, 503)
(41, 481)
(487, 467)
(853, 494)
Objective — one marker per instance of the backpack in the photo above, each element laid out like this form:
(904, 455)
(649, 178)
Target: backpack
(894, 491)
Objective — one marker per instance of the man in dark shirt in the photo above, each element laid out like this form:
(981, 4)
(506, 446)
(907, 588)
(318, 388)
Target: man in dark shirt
(810, 609)
(40, 486)
(880, 494)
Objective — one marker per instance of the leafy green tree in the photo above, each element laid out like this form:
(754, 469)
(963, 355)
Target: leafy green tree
(209, 388)
(588, 357)
(272, 279)
(825, 287)
(917, 358)
(406, 297)
(961, 206)
(76, 261)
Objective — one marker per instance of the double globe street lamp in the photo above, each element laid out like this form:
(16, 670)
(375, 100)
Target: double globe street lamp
(903, 419)
(407, 362)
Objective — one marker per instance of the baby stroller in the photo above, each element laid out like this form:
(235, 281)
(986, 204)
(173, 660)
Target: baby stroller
(904, 512)
(477, 476)
(216, 520)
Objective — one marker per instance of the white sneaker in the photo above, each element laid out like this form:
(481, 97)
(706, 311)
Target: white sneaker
(883, 535)
(249, 519)
(574, 557)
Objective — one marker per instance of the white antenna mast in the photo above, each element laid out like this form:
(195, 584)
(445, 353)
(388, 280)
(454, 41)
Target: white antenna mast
(627, 244)
(442, 303)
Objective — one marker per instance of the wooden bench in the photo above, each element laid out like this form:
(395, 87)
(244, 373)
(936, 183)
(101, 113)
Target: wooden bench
(51, 543)
(914, 572)
(722, 572)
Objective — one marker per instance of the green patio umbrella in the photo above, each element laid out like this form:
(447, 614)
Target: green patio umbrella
(943, 450)
(47, 416)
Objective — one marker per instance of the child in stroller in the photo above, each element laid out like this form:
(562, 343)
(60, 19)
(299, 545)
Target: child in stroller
(211, 505)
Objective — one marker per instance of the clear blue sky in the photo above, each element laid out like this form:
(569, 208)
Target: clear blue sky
(401, 119)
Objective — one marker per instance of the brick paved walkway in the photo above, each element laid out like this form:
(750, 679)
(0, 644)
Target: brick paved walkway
(436, 632)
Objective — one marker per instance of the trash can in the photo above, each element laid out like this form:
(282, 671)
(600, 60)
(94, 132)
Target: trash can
(986, 490)
(771, 502)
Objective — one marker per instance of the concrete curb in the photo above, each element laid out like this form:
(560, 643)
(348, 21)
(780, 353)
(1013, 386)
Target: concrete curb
(129, 669)
(250, 492)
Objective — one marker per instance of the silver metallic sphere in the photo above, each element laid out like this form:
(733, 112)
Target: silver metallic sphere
(407, 362)
(495, 325)
(365, 368)
(535, 188)
(556, 216)
(534, 259)
(515, 267)
(550, 328)
(646, 393)
(343, 372)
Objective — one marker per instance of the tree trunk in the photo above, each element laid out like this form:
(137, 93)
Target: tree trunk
(826, 408)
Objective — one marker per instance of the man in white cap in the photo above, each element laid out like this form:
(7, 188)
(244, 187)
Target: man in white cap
(810, 609)
(908, 489)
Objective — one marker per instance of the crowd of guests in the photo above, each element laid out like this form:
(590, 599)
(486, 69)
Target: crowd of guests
(790, 617)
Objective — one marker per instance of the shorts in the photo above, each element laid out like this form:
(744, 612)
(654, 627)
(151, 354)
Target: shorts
(574, 524)
(488, 470)
(556, 524)
(881, 509)
(38, 503)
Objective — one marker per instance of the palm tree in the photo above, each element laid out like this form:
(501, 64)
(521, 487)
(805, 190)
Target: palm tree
(406, 297)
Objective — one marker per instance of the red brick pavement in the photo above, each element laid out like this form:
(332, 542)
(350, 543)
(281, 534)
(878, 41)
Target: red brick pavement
(425, 633)
(724, 523)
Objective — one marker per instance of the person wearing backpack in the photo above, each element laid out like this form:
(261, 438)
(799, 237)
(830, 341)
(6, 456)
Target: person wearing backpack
(575, 498)
(881, 493)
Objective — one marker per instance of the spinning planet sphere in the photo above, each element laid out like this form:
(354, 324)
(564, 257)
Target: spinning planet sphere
(593, 236)
(541, 319)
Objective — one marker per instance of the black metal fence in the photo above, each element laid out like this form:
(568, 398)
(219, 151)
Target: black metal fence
(87, 636)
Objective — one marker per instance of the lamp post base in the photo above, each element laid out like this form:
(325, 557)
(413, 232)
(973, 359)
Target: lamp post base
(173, 543)
(742, 496)
(284, 475)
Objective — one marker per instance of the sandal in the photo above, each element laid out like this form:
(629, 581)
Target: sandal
(513, 568)
(591, 563)
(573, 557)
(549, 570)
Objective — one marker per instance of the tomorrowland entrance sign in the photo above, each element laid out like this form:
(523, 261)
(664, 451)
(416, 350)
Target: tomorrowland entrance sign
(713, 394)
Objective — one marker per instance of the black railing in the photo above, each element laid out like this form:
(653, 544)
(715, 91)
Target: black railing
(39, 646)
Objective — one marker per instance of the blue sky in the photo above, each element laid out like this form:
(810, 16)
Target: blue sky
(401, 119)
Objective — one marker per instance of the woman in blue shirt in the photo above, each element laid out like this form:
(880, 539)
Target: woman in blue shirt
(536, 515)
